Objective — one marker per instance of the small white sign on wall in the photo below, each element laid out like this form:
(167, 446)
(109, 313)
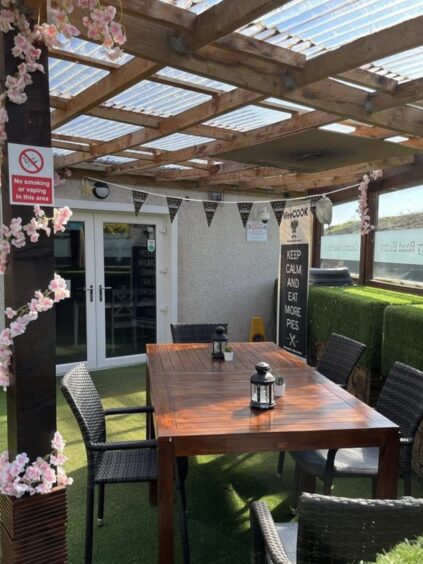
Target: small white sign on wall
(31, 175)
(256, 232)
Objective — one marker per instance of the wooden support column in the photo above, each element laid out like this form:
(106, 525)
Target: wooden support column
(31, 397)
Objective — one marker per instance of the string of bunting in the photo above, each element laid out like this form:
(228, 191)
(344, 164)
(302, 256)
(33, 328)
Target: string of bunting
(210, 206)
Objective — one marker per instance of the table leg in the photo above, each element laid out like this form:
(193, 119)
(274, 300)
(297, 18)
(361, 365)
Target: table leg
(166, 462)
(387, 478)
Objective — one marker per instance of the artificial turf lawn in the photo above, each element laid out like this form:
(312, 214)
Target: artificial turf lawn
(219, 489)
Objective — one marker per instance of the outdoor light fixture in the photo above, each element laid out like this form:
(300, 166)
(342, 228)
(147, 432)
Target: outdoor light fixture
(262, 214)
(219, 341)
(101, 190)
(262, 387)
(324, 210)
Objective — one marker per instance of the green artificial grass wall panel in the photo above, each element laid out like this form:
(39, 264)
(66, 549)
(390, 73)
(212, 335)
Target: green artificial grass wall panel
(402, 337)
(356, 312)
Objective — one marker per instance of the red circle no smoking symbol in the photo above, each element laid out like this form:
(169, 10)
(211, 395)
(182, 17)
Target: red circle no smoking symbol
(31, 161)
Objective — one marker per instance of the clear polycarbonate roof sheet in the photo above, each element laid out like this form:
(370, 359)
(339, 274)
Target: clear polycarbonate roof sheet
(175, 166)
(197, 6)
(69, 79)
(247, 118)
(113, 159)
(177, 141)
(92, 50)
(61, 152)
(95, 128)
(190, 78)
(402, 66)
(289, 105)
(158, 99)
(314, 26)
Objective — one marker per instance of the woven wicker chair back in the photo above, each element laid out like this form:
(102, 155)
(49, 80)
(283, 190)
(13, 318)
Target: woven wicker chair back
(194, 332)
(343, 530)
(340, 358)
(83, 398)
(401, 400)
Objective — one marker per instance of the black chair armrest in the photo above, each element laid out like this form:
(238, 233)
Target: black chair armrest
(128, 410)
(123, 445)
(265, 536)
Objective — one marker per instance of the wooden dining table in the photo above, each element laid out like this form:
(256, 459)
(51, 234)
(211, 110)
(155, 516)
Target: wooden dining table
(202, 406)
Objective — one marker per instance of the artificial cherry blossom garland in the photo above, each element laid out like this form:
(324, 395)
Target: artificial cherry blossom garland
(365, 226)
(100, 24)
(15, 234)
(19, 477)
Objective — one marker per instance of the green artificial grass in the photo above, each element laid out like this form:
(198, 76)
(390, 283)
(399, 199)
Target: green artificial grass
(356, 312)
(402, 337)
(219, 490)
(404, 553)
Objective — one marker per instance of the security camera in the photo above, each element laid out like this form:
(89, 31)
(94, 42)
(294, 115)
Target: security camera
(263, 215)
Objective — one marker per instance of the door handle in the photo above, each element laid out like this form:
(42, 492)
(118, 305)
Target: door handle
(90, 289)
(100, 291)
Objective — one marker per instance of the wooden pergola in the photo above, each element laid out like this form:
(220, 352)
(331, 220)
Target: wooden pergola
(330, 88)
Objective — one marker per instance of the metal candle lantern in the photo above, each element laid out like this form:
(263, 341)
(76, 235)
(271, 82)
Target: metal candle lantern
(262, 387)
(219, 341)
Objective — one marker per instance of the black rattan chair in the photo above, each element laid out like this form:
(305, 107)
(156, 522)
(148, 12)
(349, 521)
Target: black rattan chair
(338, 361)
(194, 332)
(401, 401)
(109, 463)
(334, 530)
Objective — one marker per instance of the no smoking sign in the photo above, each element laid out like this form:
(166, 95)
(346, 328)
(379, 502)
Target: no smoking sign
(31, 175)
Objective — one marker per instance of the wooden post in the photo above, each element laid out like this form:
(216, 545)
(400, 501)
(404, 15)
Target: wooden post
(31, 397)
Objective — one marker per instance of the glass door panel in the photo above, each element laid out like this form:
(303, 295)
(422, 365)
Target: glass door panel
(129, 290)
(72, 337)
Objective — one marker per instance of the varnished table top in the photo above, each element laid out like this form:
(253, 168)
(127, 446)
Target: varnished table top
(202, 406)
(195, 395)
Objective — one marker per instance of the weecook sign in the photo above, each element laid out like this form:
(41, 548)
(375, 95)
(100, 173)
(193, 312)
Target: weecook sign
(31, 175)
(295, 237)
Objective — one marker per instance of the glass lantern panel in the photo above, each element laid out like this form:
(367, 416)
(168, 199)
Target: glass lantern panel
(254, 393)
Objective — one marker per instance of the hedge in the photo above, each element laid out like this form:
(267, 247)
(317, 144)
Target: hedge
(402, 337)
(356, 312)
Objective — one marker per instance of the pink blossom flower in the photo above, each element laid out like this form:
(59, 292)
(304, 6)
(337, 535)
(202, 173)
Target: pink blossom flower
(10, 313)
(6, 337)
(58, 287)
(18, 327)
(58, 443)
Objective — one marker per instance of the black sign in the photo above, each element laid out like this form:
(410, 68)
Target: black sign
(293, 298)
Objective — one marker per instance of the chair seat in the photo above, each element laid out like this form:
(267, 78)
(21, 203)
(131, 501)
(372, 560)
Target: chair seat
(136, 465)
(288, 533)
(348, 461)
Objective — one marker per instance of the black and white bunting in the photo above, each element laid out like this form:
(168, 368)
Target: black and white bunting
(278, 208)
(173, 204)
(139, 199)
(210, 210)
(244, 209)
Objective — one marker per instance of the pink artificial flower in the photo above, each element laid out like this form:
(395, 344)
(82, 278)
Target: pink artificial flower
(58, 287)
(10, 313)
(58, 443)
(6, 337)
(17, 327)
(58, 460)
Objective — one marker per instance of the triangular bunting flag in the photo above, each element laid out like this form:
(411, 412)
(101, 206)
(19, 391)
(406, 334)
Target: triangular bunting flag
(244, 209)
(139, 199)
(210, 210)
(173, 204)
(278, 208)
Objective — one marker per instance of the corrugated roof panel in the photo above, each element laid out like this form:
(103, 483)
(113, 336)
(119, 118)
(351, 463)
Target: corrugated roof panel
(88, 49)
(177, 141)
(113, 159)
(313, 26)
(407, 65)
(289, 105)
(248, 117)
(195, 79)
(61, 152)
(95, 128)
(158, 99)
(197, 6)
(69, 79)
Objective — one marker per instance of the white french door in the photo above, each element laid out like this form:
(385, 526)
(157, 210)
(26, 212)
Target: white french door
(117, 270)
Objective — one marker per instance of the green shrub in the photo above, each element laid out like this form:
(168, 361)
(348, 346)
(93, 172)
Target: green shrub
(404, 553)
(356, 312)
(402, 337)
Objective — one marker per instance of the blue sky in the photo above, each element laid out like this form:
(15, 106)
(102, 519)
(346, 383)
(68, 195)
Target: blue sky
(393, 203)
